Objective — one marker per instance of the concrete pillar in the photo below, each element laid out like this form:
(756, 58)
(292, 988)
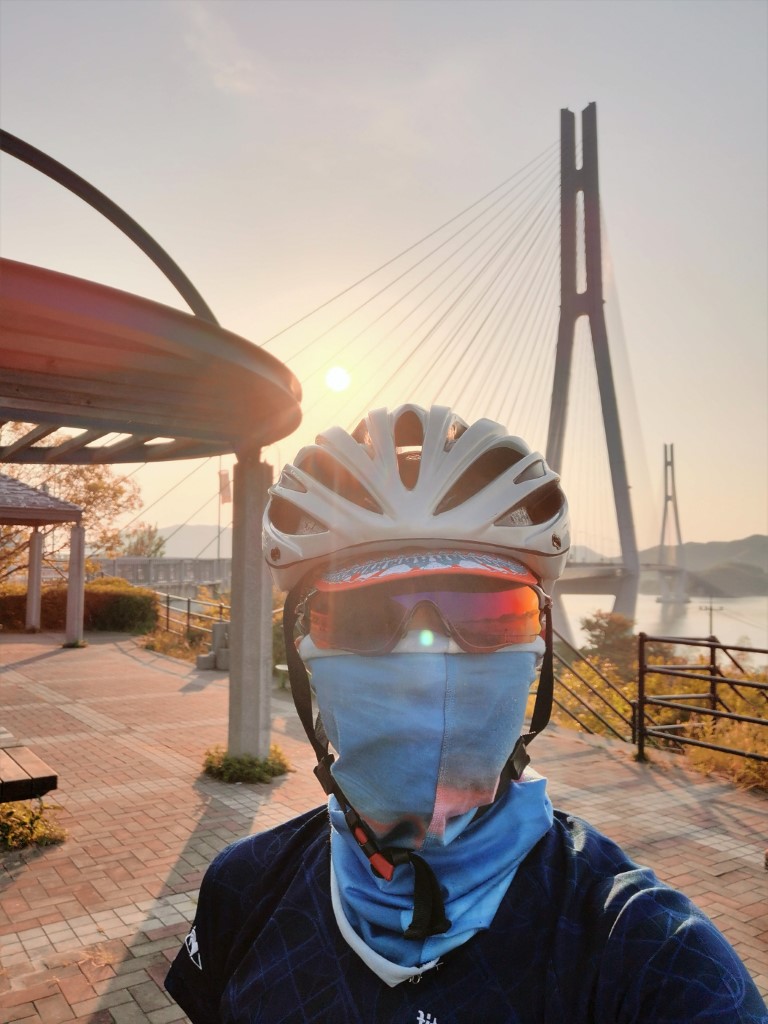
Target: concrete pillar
(76, 587)
(34, 580)
(250, 634)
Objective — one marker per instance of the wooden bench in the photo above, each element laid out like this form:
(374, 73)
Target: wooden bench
(23, 775)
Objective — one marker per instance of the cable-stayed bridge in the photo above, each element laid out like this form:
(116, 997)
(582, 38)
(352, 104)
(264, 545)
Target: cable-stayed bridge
(508, 310)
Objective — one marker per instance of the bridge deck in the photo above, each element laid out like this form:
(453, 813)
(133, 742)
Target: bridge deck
(87, 927)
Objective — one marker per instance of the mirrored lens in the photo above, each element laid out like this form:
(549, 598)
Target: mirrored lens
(371, 620)
(344, 621)
(484, 620)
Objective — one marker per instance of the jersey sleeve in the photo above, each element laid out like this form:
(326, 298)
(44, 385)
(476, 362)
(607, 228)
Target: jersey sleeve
(675, 967)
(238, 895)
(196, 977)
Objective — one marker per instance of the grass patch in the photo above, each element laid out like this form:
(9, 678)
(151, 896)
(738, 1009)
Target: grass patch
(28, 824)
(228, 768)
(743, 771)
(185, 648)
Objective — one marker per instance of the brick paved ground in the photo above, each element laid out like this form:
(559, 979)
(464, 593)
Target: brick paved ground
(87, 928)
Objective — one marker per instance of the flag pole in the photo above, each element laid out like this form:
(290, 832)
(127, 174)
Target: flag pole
(218, 525)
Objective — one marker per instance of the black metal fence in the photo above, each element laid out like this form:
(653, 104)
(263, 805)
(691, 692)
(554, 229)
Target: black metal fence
(607, 710)
(725, 685)
(183, 615)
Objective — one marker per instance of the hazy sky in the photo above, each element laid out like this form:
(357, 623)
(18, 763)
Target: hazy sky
(280, 150)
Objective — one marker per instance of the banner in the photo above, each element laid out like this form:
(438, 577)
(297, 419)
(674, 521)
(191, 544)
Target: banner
(225, 489)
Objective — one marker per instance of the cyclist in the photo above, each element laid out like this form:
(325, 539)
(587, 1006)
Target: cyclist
(419, 554)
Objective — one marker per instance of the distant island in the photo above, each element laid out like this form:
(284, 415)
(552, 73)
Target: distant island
(735, 568)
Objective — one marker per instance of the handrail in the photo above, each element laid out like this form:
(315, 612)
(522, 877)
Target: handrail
(580, 657)
(610, 686)
(187, 619)
(586, 704)
(674, 701)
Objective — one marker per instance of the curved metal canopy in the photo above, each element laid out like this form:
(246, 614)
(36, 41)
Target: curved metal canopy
(101, 362)
(128, 379)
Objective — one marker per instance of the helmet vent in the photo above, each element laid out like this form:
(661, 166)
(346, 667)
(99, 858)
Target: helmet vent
(290, 483)
(535, 471)
(483, 471)
(537, 508)
(409, 431)
(453, 433)
(288, 518)
(409, 464)
(327, 471)
(360, 434)
(515, 517)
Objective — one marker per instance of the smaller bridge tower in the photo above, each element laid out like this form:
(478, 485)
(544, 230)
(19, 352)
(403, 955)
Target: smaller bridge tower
(671, 554)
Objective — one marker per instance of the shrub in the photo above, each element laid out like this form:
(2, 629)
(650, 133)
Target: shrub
(228, 768)
(28, 824)
(112, 605)
(117, 606)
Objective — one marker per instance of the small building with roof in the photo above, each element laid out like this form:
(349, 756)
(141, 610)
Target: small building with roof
(22, 505)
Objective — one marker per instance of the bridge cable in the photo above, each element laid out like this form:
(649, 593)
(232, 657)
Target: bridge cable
(410, 248)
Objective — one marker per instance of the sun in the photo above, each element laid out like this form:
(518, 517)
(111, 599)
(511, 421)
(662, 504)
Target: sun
(337, 379)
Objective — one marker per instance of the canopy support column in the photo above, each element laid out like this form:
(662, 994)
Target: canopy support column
(76, 587)
(250, 664)
(34, 581)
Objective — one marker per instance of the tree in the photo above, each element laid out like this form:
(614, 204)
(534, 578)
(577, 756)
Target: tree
(141, 541)
(103, 494)
(611, 638)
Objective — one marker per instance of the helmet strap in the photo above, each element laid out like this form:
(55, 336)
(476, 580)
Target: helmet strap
(519, 759)
(428, 906)
(299, 678)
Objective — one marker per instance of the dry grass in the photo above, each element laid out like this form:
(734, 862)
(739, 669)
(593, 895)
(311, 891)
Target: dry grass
(28, 823)
(174, 645)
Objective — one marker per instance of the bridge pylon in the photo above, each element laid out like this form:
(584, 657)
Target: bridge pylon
(625, 575)
(671, 556)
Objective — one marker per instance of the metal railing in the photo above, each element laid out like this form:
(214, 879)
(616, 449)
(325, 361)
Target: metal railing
(607, 701)
(183, 615)
(699, 709)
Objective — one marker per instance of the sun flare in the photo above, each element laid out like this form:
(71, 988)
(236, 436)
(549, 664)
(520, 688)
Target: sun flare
(337, 379)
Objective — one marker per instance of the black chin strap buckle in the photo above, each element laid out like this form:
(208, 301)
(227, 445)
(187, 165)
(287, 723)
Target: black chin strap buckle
(323, 774)
(519, 759)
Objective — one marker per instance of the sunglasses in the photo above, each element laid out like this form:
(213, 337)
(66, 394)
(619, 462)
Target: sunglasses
(482, 615)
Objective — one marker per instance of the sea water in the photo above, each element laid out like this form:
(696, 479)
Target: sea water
(733, 620)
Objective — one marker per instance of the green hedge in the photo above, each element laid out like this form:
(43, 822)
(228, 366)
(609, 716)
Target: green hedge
(112, 605)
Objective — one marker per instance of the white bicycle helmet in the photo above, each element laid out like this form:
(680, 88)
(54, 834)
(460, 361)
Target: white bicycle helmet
(418, 479)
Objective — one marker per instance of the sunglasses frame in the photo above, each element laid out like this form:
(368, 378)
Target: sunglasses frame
(303, 623)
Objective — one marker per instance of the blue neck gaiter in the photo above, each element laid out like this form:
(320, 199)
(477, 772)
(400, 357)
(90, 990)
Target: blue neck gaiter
(421, 739)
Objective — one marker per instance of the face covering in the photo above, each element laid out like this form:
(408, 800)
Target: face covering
(421, 739)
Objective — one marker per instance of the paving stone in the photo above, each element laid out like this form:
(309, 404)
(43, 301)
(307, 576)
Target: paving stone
(54, 1009)
(102, 1002)
(21, 1011)
(150, 996)
(89, 928)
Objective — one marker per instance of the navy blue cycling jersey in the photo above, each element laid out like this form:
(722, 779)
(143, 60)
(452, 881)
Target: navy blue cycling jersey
(583, 936)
